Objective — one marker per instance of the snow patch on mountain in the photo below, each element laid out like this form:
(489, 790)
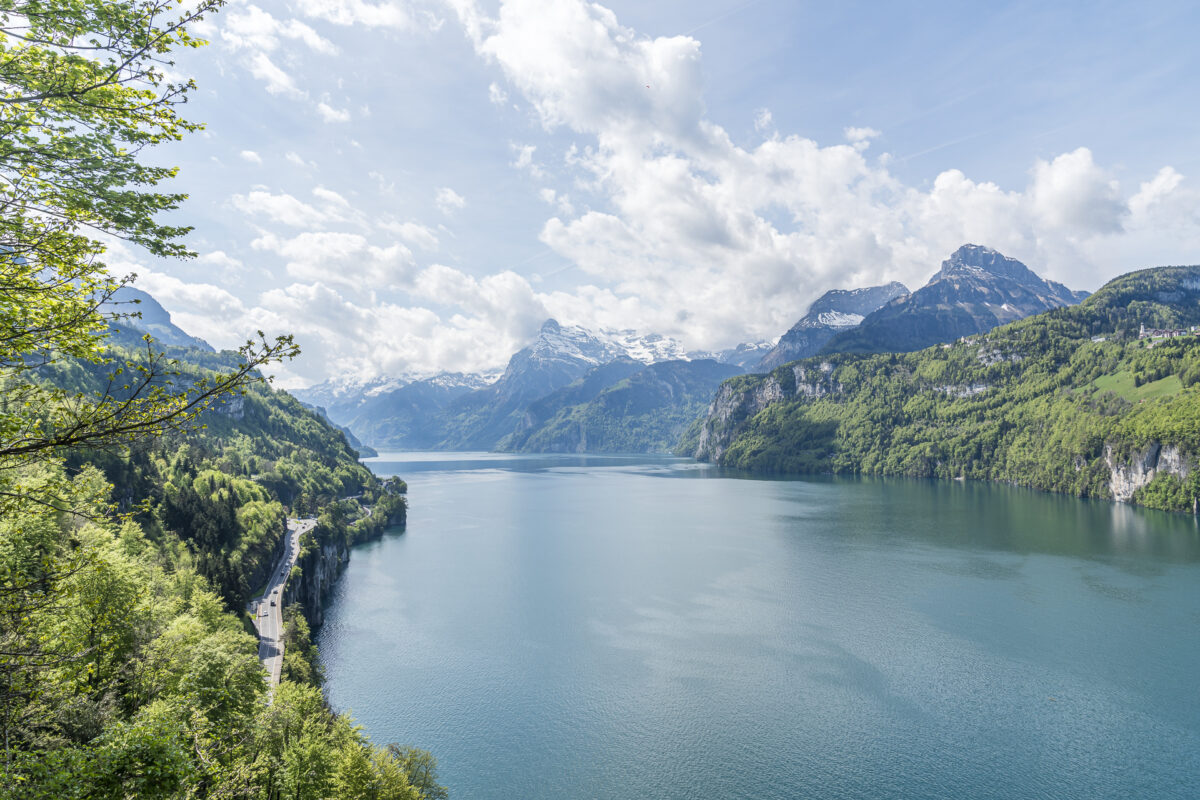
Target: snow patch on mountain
(839, 319)
(649, 348)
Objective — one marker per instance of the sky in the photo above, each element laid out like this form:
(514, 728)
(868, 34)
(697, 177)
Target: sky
(414, 186)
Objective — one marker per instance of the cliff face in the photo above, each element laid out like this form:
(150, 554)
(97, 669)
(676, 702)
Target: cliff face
(319, 569)
(735, 405)
(323, 565)
(1142, 467)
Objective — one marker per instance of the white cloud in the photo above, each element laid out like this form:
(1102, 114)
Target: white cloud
(200, 309)
(1155, 192)
(580, 68)
(861, 137)
(220, 259)
(357, 12)
(255, 34)
(413, 233)
(448, 201)
(252, 28)
(331, 197)
(251, 156)
(1071, 193)
(382, 182)
(331, 114)
(501, 305)
(560, 201)
(697, 237)
(674, 227)
(348, 259)
(277, 81)
(524, 159)
(287, 210)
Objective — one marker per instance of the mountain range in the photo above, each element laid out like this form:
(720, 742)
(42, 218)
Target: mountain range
(1097, 399)
(573, 390)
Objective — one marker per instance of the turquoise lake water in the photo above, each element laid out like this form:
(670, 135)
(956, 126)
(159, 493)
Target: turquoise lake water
(592, 627)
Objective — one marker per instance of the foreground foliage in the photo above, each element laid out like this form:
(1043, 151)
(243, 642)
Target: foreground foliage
(142, 493)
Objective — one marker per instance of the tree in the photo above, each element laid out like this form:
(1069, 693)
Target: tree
(421, 768)
(83, 92)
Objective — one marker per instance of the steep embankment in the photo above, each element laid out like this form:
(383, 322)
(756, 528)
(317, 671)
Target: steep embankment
(325, 551)
(1070, 400)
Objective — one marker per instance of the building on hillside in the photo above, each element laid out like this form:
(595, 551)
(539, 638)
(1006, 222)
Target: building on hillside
(1163, 333)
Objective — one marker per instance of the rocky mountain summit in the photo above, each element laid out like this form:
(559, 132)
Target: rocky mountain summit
(975, 290)
(152, 319)
(830, 314)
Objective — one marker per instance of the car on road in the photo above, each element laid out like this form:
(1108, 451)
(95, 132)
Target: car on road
(272, 603)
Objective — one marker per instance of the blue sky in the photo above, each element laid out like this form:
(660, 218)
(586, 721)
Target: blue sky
(412, 187)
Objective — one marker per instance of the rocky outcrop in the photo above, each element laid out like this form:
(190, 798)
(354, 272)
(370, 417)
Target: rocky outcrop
(1142, 466)
(737, 403)
(233, 406)
(319, 570)
(323, 564)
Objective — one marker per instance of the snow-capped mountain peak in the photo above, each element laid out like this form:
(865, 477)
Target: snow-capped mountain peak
(647, 348)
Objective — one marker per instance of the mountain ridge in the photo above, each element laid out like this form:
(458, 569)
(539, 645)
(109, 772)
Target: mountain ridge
(1076, 399)
(829, 314)
(976, 289)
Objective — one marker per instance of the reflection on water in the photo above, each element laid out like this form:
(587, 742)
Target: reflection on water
(600, 626)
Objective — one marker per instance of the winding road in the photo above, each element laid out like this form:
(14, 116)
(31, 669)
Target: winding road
(268, 609)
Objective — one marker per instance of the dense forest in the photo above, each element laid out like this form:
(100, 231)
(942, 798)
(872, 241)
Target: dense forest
(129, 669)
(143, 490)
(1071, 400)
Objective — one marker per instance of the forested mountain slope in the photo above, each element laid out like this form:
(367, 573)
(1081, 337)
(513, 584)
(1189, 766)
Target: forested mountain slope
(1070, 400)
(138, 679)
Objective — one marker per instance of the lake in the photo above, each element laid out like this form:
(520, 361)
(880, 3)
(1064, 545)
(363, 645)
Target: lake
(629, 627)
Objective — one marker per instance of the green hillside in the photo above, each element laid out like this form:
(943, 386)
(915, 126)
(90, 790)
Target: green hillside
(1070, 400)
(128, 671)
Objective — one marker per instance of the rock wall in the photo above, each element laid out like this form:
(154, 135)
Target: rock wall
(732, 408)
(322, 566)
(319, 570)
(1127, 476)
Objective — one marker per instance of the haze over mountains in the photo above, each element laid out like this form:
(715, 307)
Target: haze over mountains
(575, 390)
